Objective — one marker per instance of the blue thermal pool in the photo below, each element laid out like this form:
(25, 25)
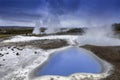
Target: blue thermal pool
(70, 61)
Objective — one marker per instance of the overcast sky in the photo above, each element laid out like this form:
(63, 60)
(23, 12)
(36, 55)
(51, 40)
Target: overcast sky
(65, 12)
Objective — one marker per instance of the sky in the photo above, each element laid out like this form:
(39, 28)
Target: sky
(64, 13)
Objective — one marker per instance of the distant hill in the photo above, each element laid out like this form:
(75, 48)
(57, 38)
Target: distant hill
(15, 27)
(116, 26)
(15, 30)
(29, 30)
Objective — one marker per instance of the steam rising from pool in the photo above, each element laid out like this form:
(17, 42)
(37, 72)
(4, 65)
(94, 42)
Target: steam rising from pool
(102, 36)
(60, 15)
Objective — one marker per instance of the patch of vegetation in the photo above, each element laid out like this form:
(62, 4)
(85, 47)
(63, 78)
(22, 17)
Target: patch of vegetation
(8, 31)
(16, 30)
(75, 30)
(42, 30)
(5, 35)
(71, 31)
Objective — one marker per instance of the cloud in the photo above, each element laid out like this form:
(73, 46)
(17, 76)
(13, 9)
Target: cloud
(16, 23)
(85, 11)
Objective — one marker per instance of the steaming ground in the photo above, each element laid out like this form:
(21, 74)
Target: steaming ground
(82, 40)
(101, 36)
(17, 63)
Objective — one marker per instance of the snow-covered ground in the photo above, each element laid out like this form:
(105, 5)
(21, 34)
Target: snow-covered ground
(18, 63)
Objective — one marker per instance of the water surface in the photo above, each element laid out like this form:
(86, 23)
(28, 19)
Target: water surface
(69, 61)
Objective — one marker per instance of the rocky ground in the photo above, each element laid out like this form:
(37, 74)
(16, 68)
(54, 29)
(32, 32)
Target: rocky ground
(43, 44)
(18, 52)
(110, 54)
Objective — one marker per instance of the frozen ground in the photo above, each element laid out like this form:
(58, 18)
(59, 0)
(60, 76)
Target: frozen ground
(18, 63)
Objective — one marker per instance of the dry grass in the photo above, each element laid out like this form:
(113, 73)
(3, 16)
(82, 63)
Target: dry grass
(5, 35)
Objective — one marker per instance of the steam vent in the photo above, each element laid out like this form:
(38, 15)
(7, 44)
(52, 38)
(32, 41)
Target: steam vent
(59, 39)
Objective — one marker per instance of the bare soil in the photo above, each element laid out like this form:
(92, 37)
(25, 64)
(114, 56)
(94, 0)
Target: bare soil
(43, 44)
(110, 54)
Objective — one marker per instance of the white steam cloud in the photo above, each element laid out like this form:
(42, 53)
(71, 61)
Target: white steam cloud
(101, 36)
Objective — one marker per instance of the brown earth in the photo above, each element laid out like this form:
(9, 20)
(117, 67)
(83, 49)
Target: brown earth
(48, 43)
(43, 44)
(110, 54)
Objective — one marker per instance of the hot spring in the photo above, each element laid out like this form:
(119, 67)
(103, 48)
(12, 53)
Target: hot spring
(70, 61)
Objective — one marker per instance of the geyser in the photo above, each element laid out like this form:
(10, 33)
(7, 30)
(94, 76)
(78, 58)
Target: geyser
(39, 24)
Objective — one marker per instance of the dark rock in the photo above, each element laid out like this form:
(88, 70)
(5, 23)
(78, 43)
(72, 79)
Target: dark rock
(12, 49)
(7, 53)
(3, 59)
(51, 78)
(1, 49)
(19, 49)
(35, 52)
(17, 54)
(9, 47)
(1, 55)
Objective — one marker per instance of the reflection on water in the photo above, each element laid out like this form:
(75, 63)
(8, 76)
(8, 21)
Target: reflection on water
(70, 61)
